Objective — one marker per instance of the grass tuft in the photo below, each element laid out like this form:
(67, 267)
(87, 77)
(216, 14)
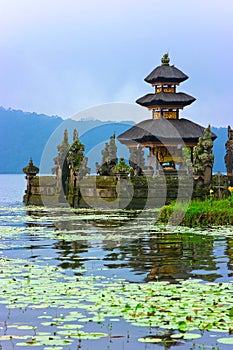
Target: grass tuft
(199, 213)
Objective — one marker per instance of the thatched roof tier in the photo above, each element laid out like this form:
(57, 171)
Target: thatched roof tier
(163, 131)
(167, 99)
(166, 74)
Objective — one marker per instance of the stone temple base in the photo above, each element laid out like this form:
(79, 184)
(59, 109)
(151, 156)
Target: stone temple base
(111, 192)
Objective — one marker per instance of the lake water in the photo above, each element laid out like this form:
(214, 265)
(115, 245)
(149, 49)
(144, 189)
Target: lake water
(47, 252)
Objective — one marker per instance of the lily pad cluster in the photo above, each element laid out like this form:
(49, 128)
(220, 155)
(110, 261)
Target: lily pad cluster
(181, 308)
(65, 304)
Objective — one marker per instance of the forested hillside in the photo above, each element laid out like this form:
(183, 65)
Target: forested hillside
(24, 135)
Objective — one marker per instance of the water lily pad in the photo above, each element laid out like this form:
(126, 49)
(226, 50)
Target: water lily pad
(25, 344)
(71, 326)
(6, 337)
(188, 336)
(150, 340)
(177, 336)
(26, 327)
(218, 330)
(84, 335)
(228, 341)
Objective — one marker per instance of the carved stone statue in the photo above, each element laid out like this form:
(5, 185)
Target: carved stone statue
(61, 169)
(84, 169)
(70, 165)
(203, 158)
(30, 170)
(109, 158)
(137, 160)
(229, 156)
(75, 135)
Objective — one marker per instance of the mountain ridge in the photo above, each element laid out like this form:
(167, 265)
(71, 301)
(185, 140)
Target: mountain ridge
(26, 134)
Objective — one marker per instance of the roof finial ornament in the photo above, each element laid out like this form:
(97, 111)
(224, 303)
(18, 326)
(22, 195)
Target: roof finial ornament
(165, 60)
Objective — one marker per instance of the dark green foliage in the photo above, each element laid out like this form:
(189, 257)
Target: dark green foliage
(75, 155)
(230, 189)
(76, 160)
(122, 168)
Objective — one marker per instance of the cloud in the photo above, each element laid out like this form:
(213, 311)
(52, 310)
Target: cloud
(114, 112)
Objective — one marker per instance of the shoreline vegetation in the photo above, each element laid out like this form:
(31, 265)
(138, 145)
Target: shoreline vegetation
(199, 213)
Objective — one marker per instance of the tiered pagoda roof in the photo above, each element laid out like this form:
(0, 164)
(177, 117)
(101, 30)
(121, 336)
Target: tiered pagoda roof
(165, 78)
(165, 103)
(160, 131)
(166, 73)
(166, 99)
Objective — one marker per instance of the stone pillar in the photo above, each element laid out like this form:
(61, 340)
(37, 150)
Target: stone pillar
(30, 170)
(229, 156)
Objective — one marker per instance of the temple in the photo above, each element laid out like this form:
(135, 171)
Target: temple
(165, 134)
(178, 166)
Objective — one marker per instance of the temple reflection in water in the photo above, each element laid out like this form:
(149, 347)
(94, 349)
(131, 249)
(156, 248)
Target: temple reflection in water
(146, 256)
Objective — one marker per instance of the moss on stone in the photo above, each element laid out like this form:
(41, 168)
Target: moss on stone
(106, 181)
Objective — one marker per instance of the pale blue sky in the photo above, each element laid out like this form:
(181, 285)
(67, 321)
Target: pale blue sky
(62, 56)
